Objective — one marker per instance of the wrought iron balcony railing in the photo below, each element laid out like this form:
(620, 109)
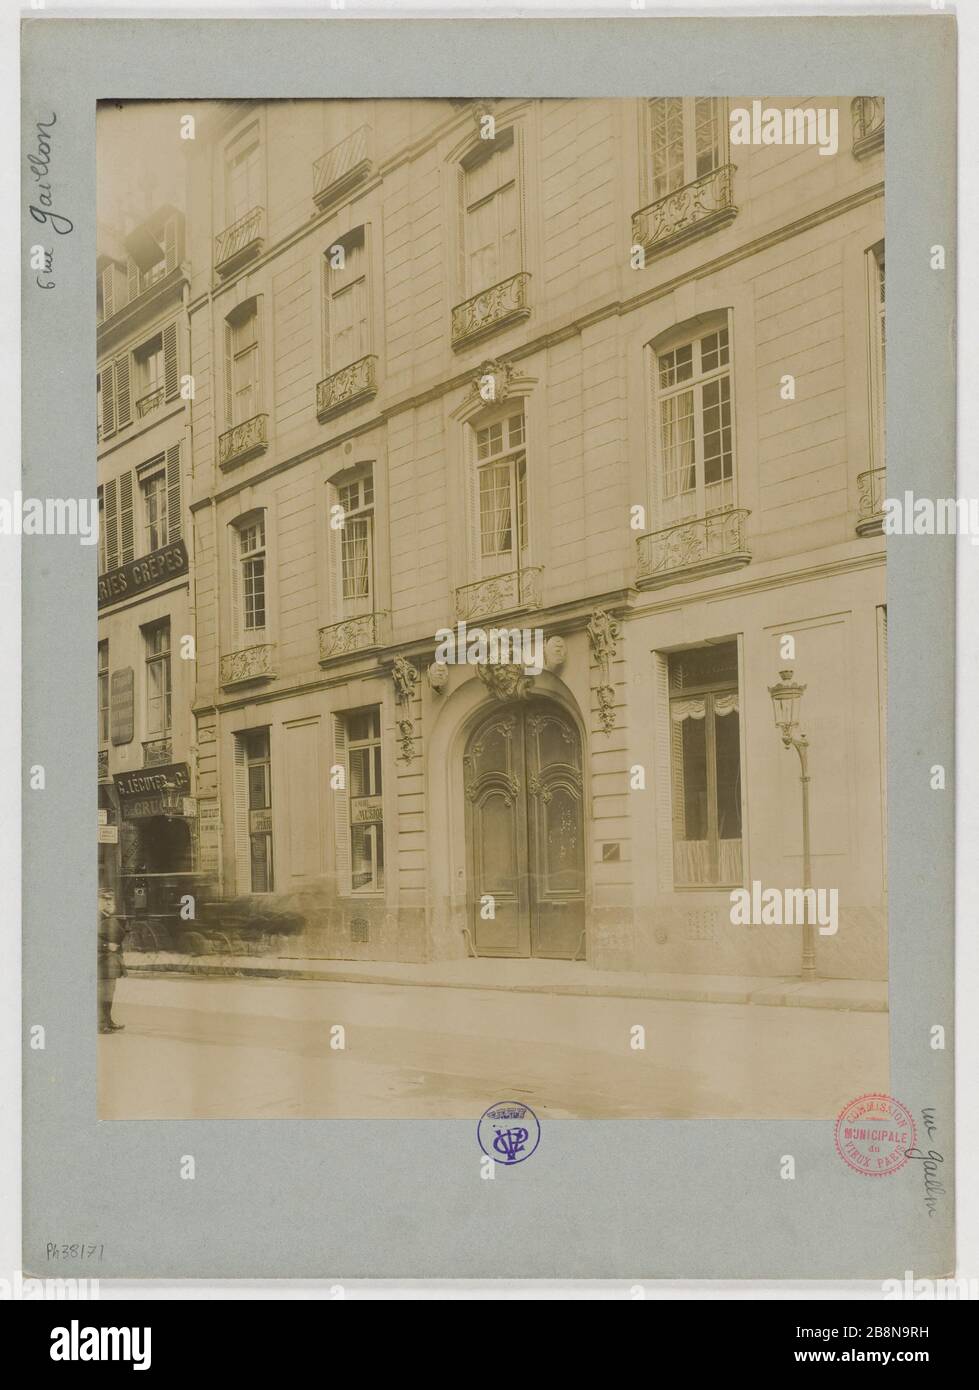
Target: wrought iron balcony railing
(342, 168)
(501, 594)
(868, 125)
(490, 309)
(157, 751)
(240, 242)
(248, 664)
(870, 488)
(352, 635)
(150, 402)
(243, 441)
(688, 212)
(700, 546)
(348, 386)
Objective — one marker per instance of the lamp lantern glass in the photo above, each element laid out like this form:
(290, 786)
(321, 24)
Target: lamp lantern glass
(786, 696)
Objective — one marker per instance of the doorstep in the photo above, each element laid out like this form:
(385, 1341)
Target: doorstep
(530, 977)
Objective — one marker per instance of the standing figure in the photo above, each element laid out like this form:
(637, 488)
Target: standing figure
(110, 961)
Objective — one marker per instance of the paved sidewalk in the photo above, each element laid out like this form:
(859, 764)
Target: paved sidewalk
(532, 977)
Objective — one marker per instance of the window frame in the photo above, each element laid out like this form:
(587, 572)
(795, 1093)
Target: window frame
(250, 312)
(244, 144)
(356, 238)
(514, 457)
(656, 186)
(374, 830)
(244, 558)
(154, 474)
(480, 153)
(162, 658)
(877, 333)
(711, 691)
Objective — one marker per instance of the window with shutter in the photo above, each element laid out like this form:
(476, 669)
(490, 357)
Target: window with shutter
(107, 393)
(345, 308)
(491, 230)
(170, 248)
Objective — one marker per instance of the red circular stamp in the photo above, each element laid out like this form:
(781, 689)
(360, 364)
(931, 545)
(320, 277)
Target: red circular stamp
(874, 1134)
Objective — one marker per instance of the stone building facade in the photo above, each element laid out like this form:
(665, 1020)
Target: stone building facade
(580, 367)
(148, 821)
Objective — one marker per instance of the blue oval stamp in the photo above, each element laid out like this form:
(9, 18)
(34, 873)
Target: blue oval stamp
(508, 1132)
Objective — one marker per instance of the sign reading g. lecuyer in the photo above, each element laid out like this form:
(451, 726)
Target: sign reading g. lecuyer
(135, 576)
(148, 781)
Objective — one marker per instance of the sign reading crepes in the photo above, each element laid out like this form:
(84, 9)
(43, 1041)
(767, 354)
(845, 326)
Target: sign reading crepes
(135, 576)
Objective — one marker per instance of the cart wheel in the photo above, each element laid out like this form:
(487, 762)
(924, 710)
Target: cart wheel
(193, 943)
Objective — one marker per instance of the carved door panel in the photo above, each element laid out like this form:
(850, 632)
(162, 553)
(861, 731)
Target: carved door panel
(525, 833)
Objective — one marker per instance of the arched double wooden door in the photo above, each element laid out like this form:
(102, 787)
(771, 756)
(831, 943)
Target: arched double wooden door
(524, 832)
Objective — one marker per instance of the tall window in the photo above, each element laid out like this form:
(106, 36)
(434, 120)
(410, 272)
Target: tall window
(879, 342)
(255, 760)
(491, 214)
(251, 574)
(356, 540)
(501, 483)
(345, 310)
(687, 140)
(148, 363)
(243, 175)
(696, 473)
(153, 488)
(366, 812)
(243, 381)
(705, 744)
(158, 695)
(103, 694)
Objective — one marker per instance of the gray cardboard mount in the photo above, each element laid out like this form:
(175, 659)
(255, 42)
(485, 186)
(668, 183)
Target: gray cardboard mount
(403, 1198)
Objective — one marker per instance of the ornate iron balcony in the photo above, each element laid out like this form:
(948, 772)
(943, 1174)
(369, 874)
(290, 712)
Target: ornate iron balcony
(700, 546)
(688, 212)
(150, 402)
(243, 441)
(491, 309)
(870, 486)
(239, 242)
(868, 125)
(344, 388)
(157, 751)
(342, 168)
(248, 664)
(501, 594)
(359, 634)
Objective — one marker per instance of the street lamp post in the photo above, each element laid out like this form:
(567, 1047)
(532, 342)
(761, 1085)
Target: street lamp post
(786, 698)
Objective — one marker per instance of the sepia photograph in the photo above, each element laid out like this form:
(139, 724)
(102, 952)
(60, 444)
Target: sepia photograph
(492, 608)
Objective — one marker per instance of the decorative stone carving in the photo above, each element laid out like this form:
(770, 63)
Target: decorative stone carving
(505, 682)
(698, 207)
(438, 676)
(405, 678)
(603, 633)
(492, 382)
(555, 653)
(868, 125)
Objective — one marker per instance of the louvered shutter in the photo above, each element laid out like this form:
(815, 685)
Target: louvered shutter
(243, 862)
(334, 544)
(126, 515)
(111, 517)
(108, 292)
(173, 492)
(664, 817)
(108, 378)
(132, 279)
(124, 410)
(341, 807)
(171, 362)
(170, 248)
